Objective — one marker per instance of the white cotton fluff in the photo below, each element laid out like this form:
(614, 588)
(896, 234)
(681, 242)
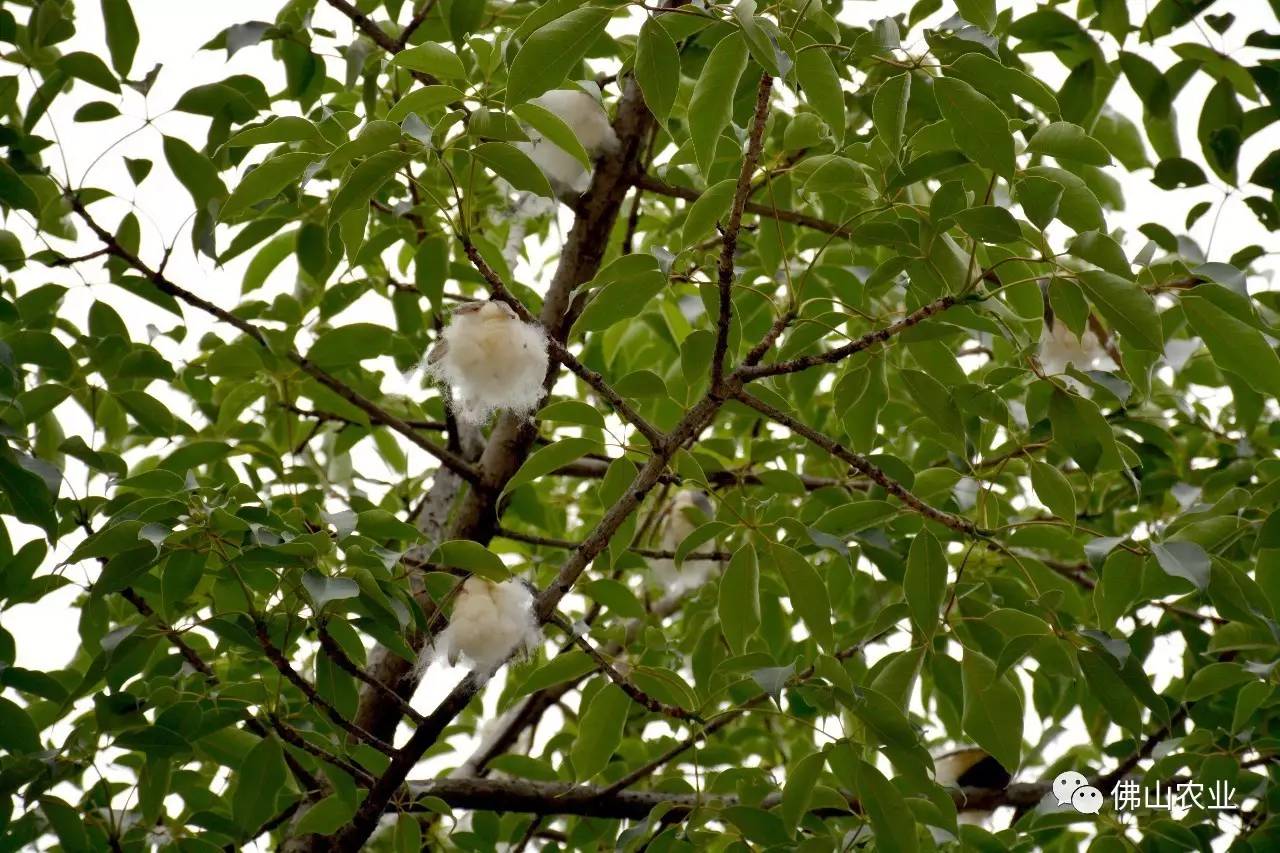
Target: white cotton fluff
(688, 511)
(490, 623)
(587, 119)
(1059, 347)
(492, 359)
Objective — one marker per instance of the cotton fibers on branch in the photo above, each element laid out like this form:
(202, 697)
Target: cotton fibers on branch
(490, 623)
(492, 359)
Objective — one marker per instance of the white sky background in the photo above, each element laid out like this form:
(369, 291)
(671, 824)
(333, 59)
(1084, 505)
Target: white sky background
(172, 33)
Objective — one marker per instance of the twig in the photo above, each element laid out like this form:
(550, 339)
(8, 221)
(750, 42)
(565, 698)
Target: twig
(460, 466)
(729, 249)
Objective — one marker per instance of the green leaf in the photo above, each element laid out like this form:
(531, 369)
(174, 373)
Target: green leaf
(347, 346)
(514, 166)
(18, 735)
(1078, 207)
(266, 181)
(889, 109)
(977, 125)
(15, 192)
(1066, 141)
(571, 412)
(564, 667)
(421, 101)
(90, 69)
(472, 557)
(431, 58)
(1103, 251)
(712, 206)
(323, 589)
(711, 105)
(279, 129)
(1181, 559)
(934, 401)
(989, 75)
(992, 710)
(614, 595)
(739, 604)
(29, 497)
(547, 459)
(599, 731)
(1217, 678)
(325, 817)
(122, 34)
(1054, 490)
(981, 13)
(925, 582)
(358, 187)
(195, 171)
(990, 224)
(259, 779)
(891, 818)
(625, 289)
(797, 792)
(657, 69)
(1106, 685)
(821, 89)
(554, 130)
(1083, 433)
(807, 592)
(96, 111)
(553, 51)
(1235, 345)
(1127, 307)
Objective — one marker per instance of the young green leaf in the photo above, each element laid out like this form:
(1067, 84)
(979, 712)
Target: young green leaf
(552, 51)
(739, 605)
(657, 69)
(711, 105)
(925, 582)
(599, 731)
(978, 126)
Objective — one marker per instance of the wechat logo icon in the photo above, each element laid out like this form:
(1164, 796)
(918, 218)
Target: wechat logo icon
(1071, 788)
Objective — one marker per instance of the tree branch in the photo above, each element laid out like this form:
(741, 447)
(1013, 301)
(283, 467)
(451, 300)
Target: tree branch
(281, 663)
(659, 187)
(376, 413)
(871, 338)
(864, 466)
(729, 249)
(562, 798)
(558, 350)
(637, 695)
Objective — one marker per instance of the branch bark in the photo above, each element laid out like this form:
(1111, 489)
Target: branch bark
(729, 248)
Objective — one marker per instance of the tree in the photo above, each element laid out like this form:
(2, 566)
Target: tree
(976, 459)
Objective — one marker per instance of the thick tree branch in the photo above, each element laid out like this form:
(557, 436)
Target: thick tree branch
(561, 798)
(366, 25)
(559, 351)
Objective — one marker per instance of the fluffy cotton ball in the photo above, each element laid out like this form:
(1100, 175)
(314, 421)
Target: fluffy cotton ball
(492, 359)
(688, 511)
(490, 623)
(587, 119)
(1059, 347)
